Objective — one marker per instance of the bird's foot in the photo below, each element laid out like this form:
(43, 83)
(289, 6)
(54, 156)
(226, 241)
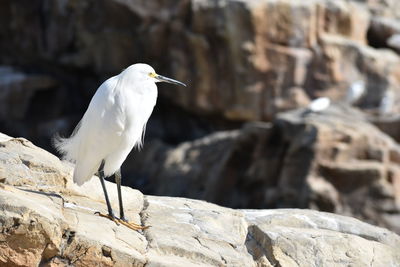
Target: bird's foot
(132, 225)
(123, 221)
(108, 216)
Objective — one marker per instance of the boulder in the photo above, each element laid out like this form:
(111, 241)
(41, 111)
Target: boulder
(46, 220)
(333, 160)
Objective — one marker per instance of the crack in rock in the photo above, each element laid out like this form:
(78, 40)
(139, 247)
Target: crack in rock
(266, 250)
(373, 257)
(201, 244)
(144, 231)
(79, 248)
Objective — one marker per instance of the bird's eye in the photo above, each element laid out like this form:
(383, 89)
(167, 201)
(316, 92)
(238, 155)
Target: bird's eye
(152, 74)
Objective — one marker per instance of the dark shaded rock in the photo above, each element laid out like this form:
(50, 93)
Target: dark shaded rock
(389, 125)
(17, 90)
(381, 29)
(241, 59)
(332, 161)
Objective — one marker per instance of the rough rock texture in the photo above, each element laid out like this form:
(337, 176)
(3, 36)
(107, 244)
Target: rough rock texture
(243, 60)
(46, 220)
(332, 161)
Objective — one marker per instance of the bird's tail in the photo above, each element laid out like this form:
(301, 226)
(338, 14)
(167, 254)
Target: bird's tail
(68, 147)
(71, 150)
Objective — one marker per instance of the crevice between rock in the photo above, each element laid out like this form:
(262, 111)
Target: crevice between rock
(144, 231)
(265, 246)
(204, 246)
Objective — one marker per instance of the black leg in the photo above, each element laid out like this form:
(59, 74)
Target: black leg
(101, 176)
(117, 177)
(110, 215)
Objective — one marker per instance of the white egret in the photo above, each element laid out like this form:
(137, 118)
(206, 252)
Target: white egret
(355, 92)
(319, 104)
(113, 124)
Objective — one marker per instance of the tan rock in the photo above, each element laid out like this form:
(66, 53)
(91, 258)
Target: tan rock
(299, 238)
(286, 23)
(346, 19)
(195, 232)
(41, 227)
(319, 46)
(38, 228)
(341, 62)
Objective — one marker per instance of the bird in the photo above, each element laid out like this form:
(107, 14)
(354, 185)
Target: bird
(355, 92)
(113, 124)
(319, 104)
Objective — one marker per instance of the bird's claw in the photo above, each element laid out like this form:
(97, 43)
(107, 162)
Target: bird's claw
(133, 226)
(108, 216)
(119, 221)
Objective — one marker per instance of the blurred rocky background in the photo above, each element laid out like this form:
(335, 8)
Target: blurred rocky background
(240, 134)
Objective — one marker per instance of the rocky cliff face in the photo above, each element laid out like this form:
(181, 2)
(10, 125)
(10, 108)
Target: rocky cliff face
(243, 60)
(45, 219)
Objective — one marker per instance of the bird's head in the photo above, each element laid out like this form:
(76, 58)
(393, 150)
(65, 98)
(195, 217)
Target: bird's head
(146, 72)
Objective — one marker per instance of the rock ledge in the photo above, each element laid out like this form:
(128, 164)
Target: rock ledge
(45, 219)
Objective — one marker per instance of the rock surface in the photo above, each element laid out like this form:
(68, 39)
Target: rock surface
(45, 219)
(331, 161)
